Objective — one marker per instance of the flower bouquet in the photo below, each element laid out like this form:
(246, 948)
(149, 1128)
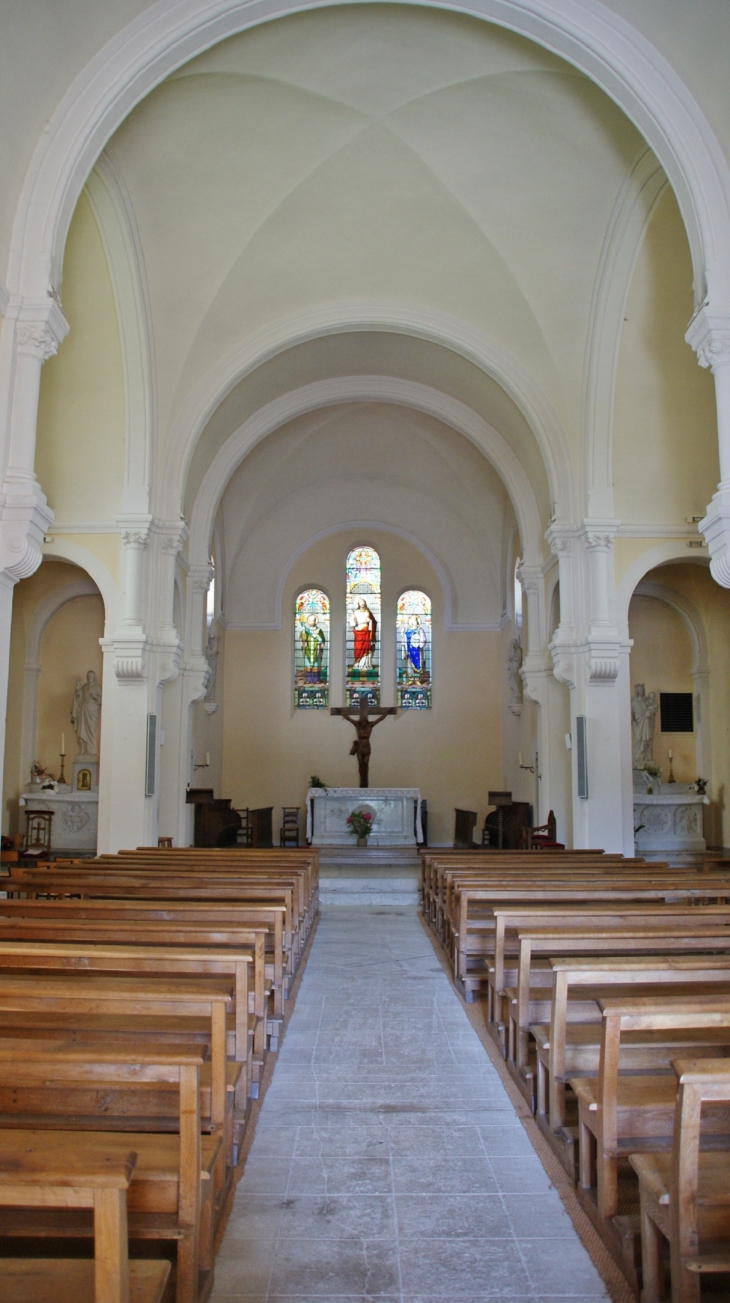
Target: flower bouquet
(360, 824)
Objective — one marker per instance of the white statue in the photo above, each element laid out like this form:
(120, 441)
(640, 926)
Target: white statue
(643, 721)
(514, 662)
(211, 655)
(86, 715)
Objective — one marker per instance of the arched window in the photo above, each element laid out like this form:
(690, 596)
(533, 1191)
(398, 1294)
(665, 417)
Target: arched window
(210, 598)
(362, 670)
(518, 595)
(413, 631)
(311, 650)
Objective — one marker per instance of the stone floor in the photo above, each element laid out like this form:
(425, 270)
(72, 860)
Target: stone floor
(388, 1162)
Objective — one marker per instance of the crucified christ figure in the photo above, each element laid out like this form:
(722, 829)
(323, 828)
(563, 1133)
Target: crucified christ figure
(363, 725)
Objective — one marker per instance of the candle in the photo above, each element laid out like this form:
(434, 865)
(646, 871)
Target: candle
(63, 744)
(520, 759)
(207, 757)
(670, 755)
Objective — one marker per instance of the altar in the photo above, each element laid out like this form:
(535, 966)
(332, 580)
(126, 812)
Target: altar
(669, 821)
(396, 815)
(76, 813)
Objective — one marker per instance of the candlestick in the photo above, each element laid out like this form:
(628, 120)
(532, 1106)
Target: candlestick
(62, 776)
(671, 778)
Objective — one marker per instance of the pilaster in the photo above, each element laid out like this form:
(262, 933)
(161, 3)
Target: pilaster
(709, 335)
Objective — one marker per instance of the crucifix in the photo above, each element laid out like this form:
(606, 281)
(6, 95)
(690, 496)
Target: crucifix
(364, 723)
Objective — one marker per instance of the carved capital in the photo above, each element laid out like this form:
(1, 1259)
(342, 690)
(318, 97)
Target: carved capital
(35, 339)
(24, 519)
(173, 534)
(715, 351)
(200, 578)
(716, 529)
(129, 657)
(599, 542)
(530, 578)
(134, 537)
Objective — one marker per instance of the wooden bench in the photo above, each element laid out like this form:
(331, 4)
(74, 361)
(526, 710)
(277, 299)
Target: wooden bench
(170, 1195)
(685, 1196)
(51, 1169)
(622, 1115)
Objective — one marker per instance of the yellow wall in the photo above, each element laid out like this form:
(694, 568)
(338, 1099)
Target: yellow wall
(452, 753)
(665, 430)
(70, 646)
(661, 659)
(81, 415)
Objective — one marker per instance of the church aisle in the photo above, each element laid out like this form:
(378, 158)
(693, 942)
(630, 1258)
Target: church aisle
(388, 1161)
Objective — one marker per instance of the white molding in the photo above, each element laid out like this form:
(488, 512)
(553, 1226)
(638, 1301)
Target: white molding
(344, 389)
(83, 527)
(627, 530)
(661, 554)
(588, 35)
(633, 210)
(436, 327)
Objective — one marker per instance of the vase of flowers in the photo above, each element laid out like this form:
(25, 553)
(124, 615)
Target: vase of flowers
(652, 777)
(360, 824)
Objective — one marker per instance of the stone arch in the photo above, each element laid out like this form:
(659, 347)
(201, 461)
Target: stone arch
(43, 613)
(435, 327)
(370, 389)
(603, 45)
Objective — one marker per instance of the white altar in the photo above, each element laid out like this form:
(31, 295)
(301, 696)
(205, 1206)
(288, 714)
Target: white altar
(671, 819)
(396, 815)
(74, 826)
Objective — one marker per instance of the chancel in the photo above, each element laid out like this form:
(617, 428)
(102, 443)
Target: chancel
(366, 360)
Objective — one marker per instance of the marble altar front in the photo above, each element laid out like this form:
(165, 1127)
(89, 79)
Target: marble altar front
(76, 813)
(669, 820)
(396, 815)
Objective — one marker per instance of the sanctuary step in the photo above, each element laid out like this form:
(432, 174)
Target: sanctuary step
(377, 875)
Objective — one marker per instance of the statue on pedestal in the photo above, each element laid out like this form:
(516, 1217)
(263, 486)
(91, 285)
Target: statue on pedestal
(86, 715)
(643, 722)
(514, 664)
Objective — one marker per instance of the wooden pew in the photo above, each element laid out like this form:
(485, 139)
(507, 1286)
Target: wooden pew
(177, 913)
(51, 1169)
(621, 1115)
(170, 1196)
(685, 1196)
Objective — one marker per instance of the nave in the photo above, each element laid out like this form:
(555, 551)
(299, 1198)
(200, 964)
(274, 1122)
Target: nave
(388, 1161)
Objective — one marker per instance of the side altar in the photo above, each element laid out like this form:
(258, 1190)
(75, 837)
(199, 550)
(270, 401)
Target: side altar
(396, 815)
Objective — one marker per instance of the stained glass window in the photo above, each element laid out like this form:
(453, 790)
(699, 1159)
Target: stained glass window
(363, 626)
(413, 630)
(311, 650)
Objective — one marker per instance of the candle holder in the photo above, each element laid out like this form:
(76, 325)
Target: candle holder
(671, 778)
(62, 758)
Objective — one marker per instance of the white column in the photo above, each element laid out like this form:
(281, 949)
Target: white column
(709, 336)
(31, 332)
(591, 659)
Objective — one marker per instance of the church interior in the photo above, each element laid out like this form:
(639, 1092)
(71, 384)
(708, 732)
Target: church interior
(367, 365)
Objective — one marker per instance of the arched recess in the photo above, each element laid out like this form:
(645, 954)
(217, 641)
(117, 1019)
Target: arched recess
(45, 610)
(434, 327)
(122, 245)
(65, 549)
(603, 45)
(632, 213)
(694, 624)
(385, 389)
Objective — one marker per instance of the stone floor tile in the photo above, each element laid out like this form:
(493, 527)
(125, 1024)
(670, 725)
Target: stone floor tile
(338, 1216)
(439, 1174)
(451, 1215)
(569, 1271)
(538, 1216)
(521, 1175)
(454, 1268)
(340, 1174)
(327, 1267)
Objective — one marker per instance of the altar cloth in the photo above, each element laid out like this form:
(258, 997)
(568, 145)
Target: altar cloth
(396, 815)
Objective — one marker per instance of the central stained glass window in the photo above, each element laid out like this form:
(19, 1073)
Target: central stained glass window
(362, 668)
(311, 650)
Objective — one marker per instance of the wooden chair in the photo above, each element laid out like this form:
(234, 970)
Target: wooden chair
(164, 843)
(244, 836)
(464, 824)
(289, 832)
(685, 1196)
(37, 842)
(544, 836)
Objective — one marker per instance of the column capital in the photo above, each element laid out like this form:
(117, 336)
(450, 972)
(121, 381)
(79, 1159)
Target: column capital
(599, 534)
(134, 529)
(561, 538)
(708, 334)
(40, 326)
